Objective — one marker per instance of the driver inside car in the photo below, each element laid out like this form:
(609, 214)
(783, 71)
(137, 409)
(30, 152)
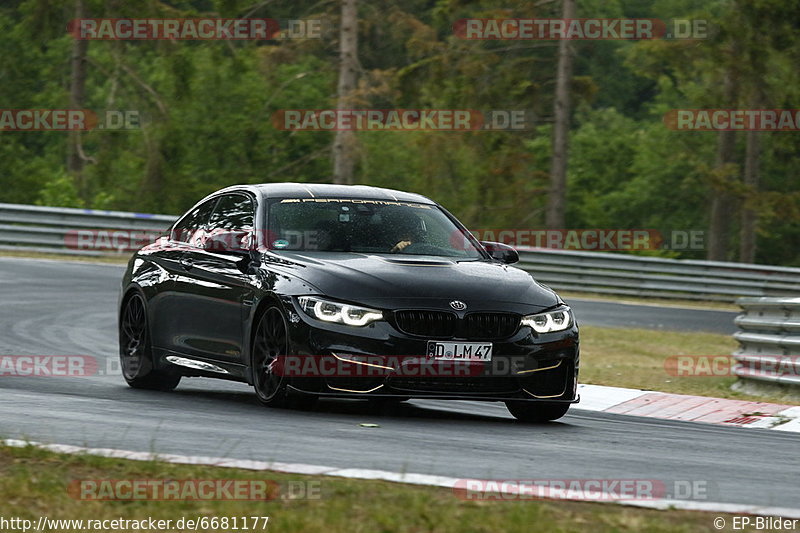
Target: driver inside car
(406, 231)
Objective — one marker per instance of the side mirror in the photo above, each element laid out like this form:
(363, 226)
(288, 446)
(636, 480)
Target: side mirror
(232, 242)
(501, 252)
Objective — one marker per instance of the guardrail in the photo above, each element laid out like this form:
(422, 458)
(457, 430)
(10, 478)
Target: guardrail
(58, 229)
(622, 274)
(769, 340)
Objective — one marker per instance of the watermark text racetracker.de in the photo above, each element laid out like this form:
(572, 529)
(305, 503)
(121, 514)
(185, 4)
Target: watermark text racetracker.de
(184, 29)
(403, 120)
(439, 362)
(193, 489)
(118, 240)
(733, 119)
(596, 490)
(586, 29)
(57, 366)
(69, 120)
(704, 366)
(593, 239)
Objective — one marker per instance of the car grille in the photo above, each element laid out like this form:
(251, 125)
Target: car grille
(491, 325)
(444, 325)
(435, 324)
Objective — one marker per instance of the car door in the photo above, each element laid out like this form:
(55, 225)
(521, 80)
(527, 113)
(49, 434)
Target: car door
(170, 323)
(217, 284)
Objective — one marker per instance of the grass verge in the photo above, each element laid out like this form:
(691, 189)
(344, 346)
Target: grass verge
(635, 358)
(34, 483)
(116, 259)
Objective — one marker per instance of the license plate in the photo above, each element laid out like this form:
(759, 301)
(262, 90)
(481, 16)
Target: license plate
(460, 351)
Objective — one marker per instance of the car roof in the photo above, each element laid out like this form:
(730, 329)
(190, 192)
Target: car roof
(329, 190)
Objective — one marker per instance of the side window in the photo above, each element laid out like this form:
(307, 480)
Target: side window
(234, 212)
(189, 228)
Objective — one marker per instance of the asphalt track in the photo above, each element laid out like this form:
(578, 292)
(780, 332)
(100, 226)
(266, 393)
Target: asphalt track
(623, 315)
(58, 308)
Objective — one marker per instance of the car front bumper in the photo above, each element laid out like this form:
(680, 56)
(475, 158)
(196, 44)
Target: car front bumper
(380, 361)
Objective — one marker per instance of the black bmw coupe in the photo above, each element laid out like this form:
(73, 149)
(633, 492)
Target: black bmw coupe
(308, 290)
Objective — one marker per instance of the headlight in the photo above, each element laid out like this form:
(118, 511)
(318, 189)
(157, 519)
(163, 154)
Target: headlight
(338, 313)
(557, 320)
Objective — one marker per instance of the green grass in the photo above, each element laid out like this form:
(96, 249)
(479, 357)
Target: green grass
(34, 482)
(635, 358)
(120, 259)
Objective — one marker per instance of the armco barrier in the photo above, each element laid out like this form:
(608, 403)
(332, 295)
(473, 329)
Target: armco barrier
(46, 229)
(623, 274)
(769, 340)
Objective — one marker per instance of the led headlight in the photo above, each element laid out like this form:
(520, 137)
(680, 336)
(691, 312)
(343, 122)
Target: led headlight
(557, 320)
(338, 313)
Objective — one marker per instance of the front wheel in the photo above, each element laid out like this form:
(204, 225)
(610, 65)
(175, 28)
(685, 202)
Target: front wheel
(270, 345)
(537, 411)
(135, 351)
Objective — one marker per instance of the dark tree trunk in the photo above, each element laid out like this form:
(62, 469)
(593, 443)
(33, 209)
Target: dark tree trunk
(723, 202)
(752, 171)
(344, 145)
(77, 91)
(556, 197)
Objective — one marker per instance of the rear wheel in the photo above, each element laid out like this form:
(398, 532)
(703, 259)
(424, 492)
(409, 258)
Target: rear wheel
(537, 411)
(135, 351)
(270, 345)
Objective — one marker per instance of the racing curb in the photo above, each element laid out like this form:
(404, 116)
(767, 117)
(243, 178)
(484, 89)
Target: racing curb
(667, 406)
(384, 475)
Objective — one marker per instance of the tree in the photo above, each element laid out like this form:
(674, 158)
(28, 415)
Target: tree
(747, 235)
(344, 146)
(77, 91)
(723, 201)
(556, 198)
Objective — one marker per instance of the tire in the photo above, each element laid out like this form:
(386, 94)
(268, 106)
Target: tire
(270, 343)
(135, 350)
(537, 411)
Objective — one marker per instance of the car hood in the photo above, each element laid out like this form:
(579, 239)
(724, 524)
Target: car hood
(418, 281)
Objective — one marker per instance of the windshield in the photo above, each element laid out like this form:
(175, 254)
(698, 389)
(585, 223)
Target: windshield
(366, 226)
